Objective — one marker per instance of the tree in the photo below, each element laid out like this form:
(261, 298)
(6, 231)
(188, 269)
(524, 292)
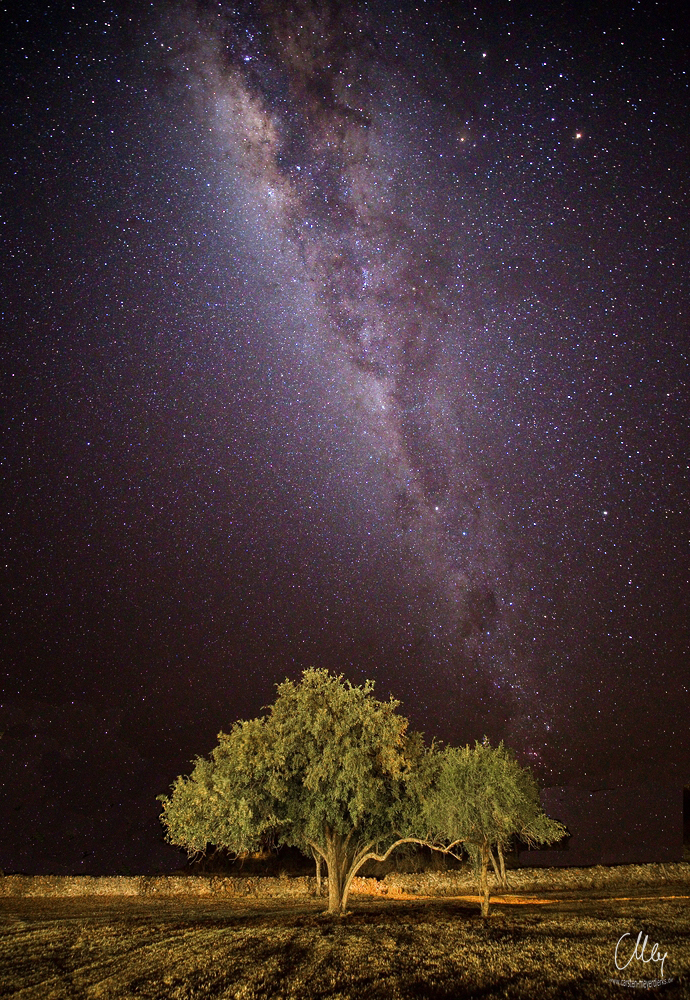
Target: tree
(329, 769)
(479, 800)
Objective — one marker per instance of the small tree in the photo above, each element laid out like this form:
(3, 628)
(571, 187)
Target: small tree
(481, 798)
(329, 769)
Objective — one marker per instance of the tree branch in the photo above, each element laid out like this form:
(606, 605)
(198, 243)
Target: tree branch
(372, 856)
(315, 847)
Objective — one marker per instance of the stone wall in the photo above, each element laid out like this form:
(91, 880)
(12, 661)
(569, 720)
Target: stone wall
(396, 883)
(153, 885)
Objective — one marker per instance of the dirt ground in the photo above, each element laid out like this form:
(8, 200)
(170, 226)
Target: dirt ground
(387, 947)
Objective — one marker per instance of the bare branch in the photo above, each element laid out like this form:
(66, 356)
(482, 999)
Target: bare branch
(315, 847)
(372, 856)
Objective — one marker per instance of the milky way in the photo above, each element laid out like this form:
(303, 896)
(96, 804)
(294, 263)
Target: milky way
(425, 236)
(324, 134)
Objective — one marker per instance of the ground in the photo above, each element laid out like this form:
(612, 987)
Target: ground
(387, 947)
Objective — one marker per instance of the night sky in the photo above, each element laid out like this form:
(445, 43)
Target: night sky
(347, 336)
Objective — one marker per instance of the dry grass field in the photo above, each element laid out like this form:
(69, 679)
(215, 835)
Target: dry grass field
(392, 945)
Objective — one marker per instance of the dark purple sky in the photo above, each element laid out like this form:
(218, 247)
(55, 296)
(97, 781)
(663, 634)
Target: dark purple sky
(348, 337)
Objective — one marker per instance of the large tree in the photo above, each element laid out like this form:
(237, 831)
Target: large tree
(480, 799)
(329, 769)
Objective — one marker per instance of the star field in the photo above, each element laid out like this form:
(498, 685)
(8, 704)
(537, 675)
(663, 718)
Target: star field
(350, 337)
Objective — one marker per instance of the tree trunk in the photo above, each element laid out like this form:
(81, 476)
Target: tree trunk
(317, 861)
(348, 882)
(494, 865)
(502, 863)
(344, 860)
(484, 879)
(334, 864)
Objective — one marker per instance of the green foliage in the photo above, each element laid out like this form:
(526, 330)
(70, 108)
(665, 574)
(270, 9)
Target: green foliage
(341, 760)
(225, 801)
(483, 796)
